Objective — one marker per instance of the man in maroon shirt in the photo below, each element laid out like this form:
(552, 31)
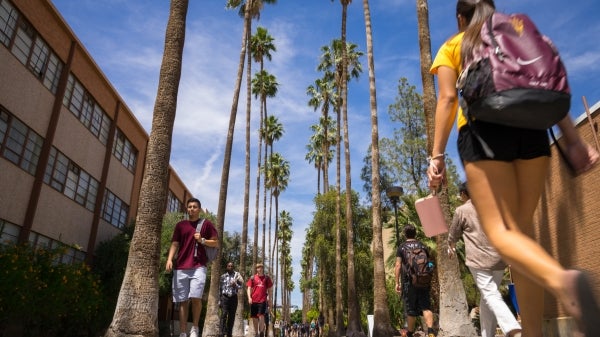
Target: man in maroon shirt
(259, 294)
(189, 238)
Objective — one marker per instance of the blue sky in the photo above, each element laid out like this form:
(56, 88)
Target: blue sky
(125, 38)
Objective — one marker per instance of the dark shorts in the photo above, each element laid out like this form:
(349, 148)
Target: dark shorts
(416, 300)
(507, 143)
(258, 309)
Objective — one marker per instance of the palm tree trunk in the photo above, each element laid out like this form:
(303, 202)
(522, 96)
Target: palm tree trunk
(354, 326)
(264, 218)
(211, 321)
(339, 300)
(136, 312)
(382, 326)
(238, 328)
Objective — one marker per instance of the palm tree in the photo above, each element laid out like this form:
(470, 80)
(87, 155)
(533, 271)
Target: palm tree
(137, 306)
(278, 173)
(454, 315)
(322, 95)
(382, 324)
(284, 236)
(260, 47)
(254, 7)
(315, 146)
(211, 322)
(261, 44)
(264, 85)
(272, 131)
(332, 60)
(307, 264)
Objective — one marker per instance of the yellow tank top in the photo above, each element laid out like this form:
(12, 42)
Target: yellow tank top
(449, 55)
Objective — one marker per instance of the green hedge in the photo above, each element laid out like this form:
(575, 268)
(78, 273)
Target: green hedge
(41, 297)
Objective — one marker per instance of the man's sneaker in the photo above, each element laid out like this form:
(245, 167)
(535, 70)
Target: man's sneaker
(183, 334)
(194, 331)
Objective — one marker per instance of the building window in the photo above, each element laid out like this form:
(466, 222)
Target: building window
(28, 47)
(19, 144)
(39, 58)
(23, 41)
(124, 151)
(84, 107)
(173, 204)
(8, 22)
(71, 254)
(9, 232)
(66, 177)
(114, 210)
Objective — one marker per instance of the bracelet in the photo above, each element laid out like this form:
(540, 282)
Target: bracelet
(437, 156)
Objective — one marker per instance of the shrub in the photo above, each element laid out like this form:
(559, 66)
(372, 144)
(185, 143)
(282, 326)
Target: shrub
(45, 297)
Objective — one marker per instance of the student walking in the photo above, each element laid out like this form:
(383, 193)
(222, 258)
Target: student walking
(189, 238)
(485, 265)
(230, 283)
(506, 189)
(259, 293)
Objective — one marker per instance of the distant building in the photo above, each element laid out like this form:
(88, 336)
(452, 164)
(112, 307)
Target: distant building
(72, 154)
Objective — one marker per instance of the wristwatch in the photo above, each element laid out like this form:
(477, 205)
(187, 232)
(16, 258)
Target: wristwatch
(203, 241)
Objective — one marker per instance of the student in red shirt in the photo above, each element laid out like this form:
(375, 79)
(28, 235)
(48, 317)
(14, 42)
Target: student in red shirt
(259, 294)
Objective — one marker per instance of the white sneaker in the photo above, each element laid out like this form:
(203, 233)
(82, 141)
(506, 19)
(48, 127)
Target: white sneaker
(194, 332)
(183, 334)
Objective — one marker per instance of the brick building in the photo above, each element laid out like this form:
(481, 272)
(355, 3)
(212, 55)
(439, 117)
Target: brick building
(72, 154)
(568, 219)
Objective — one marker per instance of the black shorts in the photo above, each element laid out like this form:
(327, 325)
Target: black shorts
(258, 309)
(416, 300)
(507, 143)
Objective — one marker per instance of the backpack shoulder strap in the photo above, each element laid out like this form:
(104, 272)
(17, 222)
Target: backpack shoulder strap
(200, 226)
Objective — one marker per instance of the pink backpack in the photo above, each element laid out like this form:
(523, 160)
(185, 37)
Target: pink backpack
(516, 77)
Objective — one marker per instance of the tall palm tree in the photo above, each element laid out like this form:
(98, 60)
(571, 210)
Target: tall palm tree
(272, 132)
(260, 47)
(278, 173)
(322, 95)
(454, 315)
(137, 306)
(382, 326)
(253, 11)
(354, 325)
(264, 85)
(284, 236)
(238, 327)
(332, 60)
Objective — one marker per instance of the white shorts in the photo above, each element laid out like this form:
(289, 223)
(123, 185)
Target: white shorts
(188, 283)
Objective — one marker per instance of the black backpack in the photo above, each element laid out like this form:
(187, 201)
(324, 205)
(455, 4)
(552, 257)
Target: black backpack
(418, 267)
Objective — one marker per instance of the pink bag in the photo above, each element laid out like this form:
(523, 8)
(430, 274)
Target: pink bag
(431, 215)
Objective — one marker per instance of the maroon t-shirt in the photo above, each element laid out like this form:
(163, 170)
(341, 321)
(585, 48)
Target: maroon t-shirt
(259, 286)
(191, 253)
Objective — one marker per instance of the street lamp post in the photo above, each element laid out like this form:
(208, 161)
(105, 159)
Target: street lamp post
(394, 193)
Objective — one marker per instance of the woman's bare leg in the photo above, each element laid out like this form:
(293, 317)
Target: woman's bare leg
(506, 196)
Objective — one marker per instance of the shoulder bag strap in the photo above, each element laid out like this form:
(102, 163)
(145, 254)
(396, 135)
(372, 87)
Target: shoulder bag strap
(200, 225)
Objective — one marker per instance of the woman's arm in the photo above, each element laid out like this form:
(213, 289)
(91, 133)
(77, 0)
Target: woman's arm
(445, 114)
